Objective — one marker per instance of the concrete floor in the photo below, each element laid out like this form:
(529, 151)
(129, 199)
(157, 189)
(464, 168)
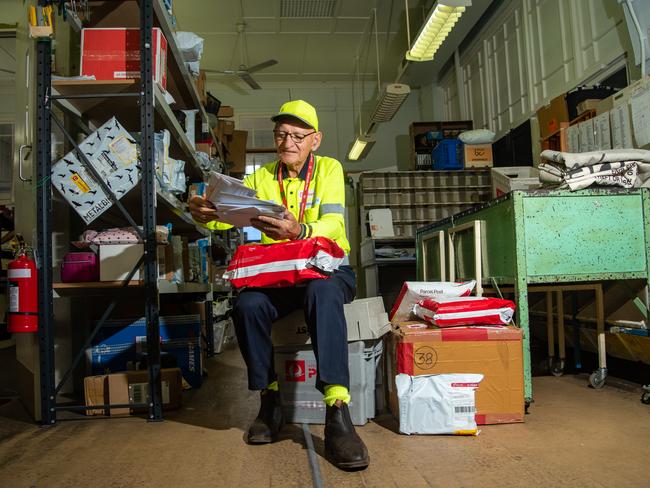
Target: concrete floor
(574, 436)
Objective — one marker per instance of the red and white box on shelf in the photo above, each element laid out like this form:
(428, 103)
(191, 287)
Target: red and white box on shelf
(114, 54)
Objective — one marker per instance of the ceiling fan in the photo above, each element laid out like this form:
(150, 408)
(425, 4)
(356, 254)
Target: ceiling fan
(244, 72)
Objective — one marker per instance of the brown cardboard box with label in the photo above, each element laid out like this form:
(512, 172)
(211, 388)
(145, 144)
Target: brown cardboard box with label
(226, 111)
(131, 387)
(551, 116)
(237, 151)
(495, 352)
(478, 155)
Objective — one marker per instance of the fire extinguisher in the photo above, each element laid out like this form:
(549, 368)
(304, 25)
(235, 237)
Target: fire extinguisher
(22, 281)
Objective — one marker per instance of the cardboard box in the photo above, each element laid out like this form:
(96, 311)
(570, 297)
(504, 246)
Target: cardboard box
(205, 147)
(117, 260)
(366, 319)
(225, 127)
(113, 153)
(551, 116)
(122, 343)
(226, 111)
(131, 387)
(236, 151)
(589, 104)
(114, 54)
(478, 155)
(494, 352)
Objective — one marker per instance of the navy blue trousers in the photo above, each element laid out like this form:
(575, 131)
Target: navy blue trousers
(322, 300)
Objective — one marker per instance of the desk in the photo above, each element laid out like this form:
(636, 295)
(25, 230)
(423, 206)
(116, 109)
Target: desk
(542, 237)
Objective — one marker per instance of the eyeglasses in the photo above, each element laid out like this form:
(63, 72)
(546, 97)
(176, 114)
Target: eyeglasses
(295, 137)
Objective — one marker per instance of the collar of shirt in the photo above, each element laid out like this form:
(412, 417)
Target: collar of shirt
(303, 172)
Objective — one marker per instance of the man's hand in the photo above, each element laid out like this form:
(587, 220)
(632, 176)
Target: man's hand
(278, 229)
(202, 210)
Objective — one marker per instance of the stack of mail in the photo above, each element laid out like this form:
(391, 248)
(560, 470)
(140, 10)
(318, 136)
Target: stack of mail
(237, 204)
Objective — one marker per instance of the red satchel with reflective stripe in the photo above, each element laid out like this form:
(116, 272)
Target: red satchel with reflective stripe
(284, 264)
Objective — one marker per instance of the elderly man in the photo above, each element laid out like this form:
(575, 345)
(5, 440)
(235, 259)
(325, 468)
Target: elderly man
(312, 190)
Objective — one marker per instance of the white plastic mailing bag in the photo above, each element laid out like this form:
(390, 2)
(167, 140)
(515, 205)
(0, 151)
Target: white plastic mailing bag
(437, 404)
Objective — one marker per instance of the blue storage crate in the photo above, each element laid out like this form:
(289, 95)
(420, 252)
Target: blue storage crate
(448, 154)
(121, 341)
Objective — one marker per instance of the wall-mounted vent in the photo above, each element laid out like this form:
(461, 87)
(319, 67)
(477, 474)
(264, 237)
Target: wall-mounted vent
(312, 9)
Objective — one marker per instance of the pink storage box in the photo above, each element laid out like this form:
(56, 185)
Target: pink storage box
(80, 267)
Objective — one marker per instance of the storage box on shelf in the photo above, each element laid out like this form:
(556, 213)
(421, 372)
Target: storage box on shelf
(424, 136)
(420, 197)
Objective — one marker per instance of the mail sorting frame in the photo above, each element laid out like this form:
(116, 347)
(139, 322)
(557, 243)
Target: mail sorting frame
(543, 240)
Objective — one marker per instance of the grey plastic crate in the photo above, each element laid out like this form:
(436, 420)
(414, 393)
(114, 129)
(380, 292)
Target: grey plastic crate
(303, 403)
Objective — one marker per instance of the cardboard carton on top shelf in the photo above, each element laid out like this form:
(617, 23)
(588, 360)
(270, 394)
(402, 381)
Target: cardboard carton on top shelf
(236, 151)
(226, 111)
(114, 54)
(225, 127)
(478, 155)
(552, 115)
(589, 104)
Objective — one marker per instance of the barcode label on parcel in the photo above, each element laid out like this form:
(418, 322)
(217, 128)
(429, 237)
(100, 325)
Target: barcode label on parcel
(464, 409)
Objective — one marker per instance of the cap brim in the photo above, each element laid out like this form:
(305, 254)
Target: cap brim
(291, 116)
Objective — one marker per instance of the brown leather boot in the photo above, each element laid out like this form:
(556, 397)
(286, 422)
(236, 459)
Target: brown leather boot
(269, 420)
(343, 446)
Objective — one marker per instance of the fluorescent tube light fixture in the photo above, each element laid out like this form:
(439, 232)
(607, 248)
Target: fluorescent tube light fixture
(361, 144)
(389, 103)
(441, 19)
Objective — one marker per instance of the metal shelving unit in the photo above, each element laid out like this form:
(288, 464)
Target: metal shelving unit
(95, 102)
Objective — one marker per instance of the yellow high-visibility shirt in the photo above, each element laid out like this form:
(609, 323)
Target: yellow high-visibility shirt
(325, 201)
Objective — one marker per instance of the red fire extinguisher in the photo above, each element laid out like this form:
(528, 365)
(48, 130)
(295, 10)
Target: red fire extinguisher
(22, 281)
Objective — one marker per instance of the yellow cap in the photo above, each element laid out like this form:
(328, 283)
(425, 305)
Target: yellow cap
(301, 110)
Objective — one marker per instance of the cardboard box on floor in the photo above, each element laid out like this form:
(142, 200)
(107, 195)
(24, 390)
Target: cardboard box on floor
(496, 353)
(131, 387)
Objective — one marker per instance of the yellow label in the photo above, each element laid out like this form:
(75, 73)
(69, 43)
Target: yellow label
(124, 150)
(466, 432)
(81, 184)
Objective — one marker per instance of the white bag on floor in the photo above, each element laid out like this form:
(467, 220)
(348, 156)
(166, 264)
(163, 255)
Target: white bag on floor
(437, 404)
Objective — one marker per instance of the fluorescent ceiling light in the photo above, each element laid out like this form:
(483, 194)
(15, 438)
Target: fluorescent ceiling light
(359, 146)
(306, 9)
(389, 103)
(441, 19)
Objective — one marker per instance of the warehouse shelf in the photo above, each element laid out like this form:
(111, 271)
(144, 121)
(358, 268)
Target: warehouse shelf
(102, 287)
(140, 106)
(99, 109)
